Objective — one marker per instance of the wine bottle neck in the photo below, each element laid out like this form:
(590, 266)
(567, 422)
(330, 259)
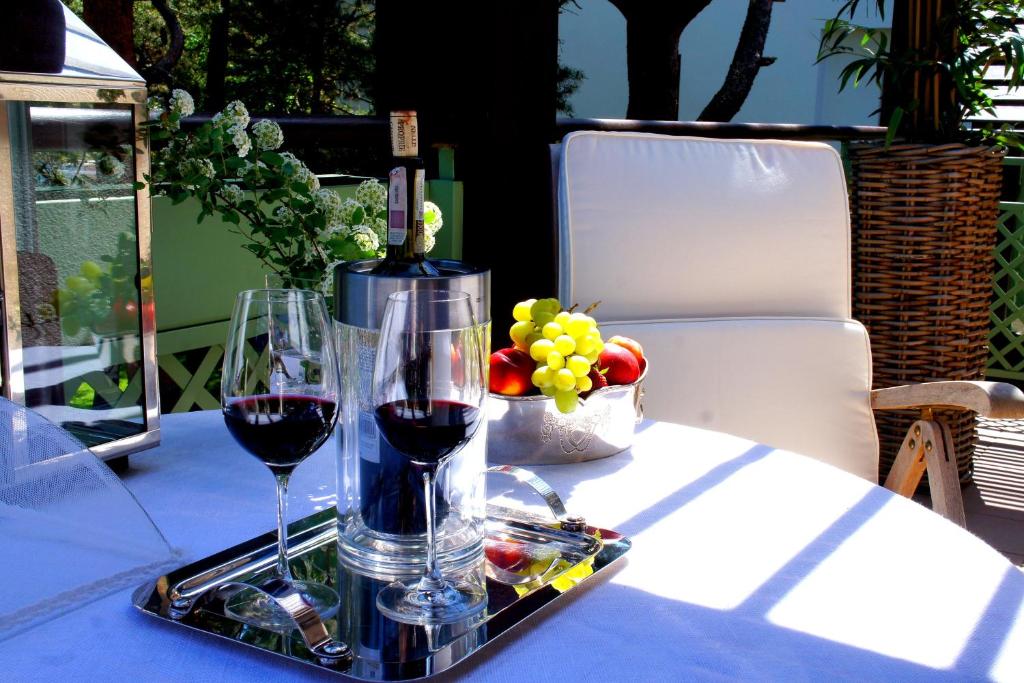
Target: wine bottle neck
(406, 229)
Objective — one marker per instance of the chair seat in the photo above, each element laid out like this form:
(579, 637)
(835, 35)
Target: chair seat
(801, 384)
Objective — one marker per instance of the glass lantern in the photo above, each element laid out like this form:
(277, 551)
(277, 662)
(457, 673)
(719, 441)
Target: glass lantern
(78, 313)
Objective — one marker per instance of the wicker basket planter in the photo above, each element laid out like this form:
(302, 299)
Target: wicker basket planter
(924, 225)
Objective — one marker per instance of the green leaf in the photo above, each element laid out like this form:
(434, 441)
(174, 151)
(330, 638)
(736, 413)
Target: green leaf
(231, 216)
(894, 125)
(138, 186)
(272, 159)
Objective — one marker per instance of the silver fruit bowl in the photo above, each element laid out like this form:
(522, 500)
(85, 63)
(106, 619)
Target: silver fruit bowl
(529, 430)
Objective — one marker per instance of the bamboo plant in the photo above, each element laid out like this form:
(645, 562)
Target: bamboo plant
(936, 67)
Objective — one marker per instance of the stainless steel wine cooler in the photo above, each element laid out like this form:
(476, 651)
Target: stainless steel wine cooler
(381, 520)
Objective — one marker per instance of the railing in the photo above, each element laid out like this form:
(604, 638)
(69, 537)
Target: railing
(1006, 335)
(707, 129)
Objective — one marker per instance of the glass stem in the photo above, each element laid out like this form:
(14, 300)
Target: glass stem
(283, 570)
(432, 579)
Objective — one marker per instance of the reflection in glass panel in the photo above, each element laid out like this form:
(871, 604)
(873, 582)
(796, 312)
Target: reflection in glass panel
(78, 266)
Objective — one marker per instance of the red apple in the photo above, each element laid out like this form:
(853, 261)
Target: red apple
(634, 347)
(511, 370)
(597, 381)
(620, 363)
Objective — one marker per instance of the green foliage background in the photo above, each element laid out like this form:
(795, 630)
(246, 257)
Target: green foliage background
(284, 56)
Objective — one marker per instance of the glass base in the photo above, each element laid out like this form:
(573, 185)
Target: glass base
(256, 608)
(388, 557)
(453, 601)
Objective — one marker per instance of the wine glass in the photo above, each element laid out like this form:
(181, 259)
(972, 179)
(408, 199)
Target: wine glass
(279, 395)
(428, 393)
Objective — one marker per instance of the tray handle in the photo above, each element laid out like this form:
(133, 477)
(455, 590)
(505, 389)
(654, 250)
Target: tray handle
(328, 651)
(567, 522)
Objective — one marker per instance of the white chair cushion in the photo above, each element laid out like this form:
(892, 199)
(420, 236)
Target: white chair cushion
(799, 384)
(660, 226)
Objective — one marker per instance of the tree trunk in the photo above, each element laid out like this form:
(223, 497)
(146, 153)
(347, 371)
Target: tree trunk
(160, 71)
(317, 48)
(747, 61)
(114, 22)
(652, 54)
(217, 59)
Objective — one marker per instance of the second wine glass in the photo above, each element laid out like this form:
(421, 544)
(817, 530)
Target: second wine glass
(428, 393)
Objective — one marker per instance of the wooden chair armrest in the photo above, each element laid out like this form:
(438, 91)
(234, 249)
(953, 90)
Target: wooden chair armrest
(996, 400)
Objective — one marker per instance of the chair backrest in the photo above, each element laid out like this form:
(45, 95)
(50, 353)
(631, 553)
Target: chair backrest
(704, 227)
(729, 260)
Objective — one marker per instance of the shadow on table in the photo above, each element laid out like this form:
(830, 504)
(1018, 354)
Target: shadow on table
(742, 643)
(661, 639)
(680, 640)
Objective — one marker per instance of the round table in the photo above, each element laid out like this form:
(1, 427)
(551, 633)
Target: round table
(748, 563)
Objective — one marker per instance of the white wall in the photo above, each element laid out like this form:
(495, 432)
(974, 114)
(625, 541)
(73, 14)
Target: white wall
(792, 90)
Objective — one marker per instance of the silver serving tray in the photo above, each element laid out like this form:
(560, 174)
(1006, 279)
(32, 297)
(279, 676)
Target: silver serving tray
(380, 649)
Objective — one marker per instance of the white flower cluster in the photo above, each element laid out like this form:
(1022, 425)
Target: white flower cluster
(364, 237)
(268, 134)
(234, 114)
(360, 221)
(202, 167)
(233, 193)
(380, 228)
(240, 139)
(329, 204)
(347, 213)
(372, 194)
(110, 166)
(181, 103)
(432, 222)
(299, 172)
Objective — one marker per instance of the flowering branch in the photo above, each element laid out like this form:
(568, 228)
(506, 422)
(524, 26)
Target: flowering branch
(298, 229)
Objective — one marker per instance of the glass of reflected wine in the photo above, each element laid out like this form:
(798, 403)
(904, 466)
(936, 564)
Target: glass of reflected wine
(279, 395)
(428, 393)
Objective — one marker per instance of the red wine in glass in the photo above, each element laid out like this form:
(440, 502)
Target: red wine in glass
(280, 430)
(428, 393)
(427, 431)
(280, 404)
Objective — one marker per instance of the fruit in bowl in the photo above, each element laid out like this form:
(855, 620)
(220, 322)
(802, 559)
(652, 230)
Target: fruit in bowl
(619, 364)
(511, 370)
(566, 357)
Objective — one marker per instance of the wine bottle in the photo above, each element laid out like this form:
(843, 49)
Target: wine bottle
(406, 251)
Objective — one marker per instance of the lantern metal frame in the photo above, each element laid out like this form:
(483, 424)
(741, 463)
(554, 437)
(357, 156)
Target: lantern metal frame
(73, 89)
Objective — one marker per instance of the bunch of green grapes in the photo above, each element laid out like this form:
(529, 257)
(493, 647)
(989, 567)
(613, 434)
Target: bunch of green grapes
(565, 346)
(102, 297)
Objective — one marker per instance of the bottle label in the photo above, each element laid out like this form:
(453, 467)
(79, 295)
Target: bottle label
(397, 207)
(404, 134)
(419, 234)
